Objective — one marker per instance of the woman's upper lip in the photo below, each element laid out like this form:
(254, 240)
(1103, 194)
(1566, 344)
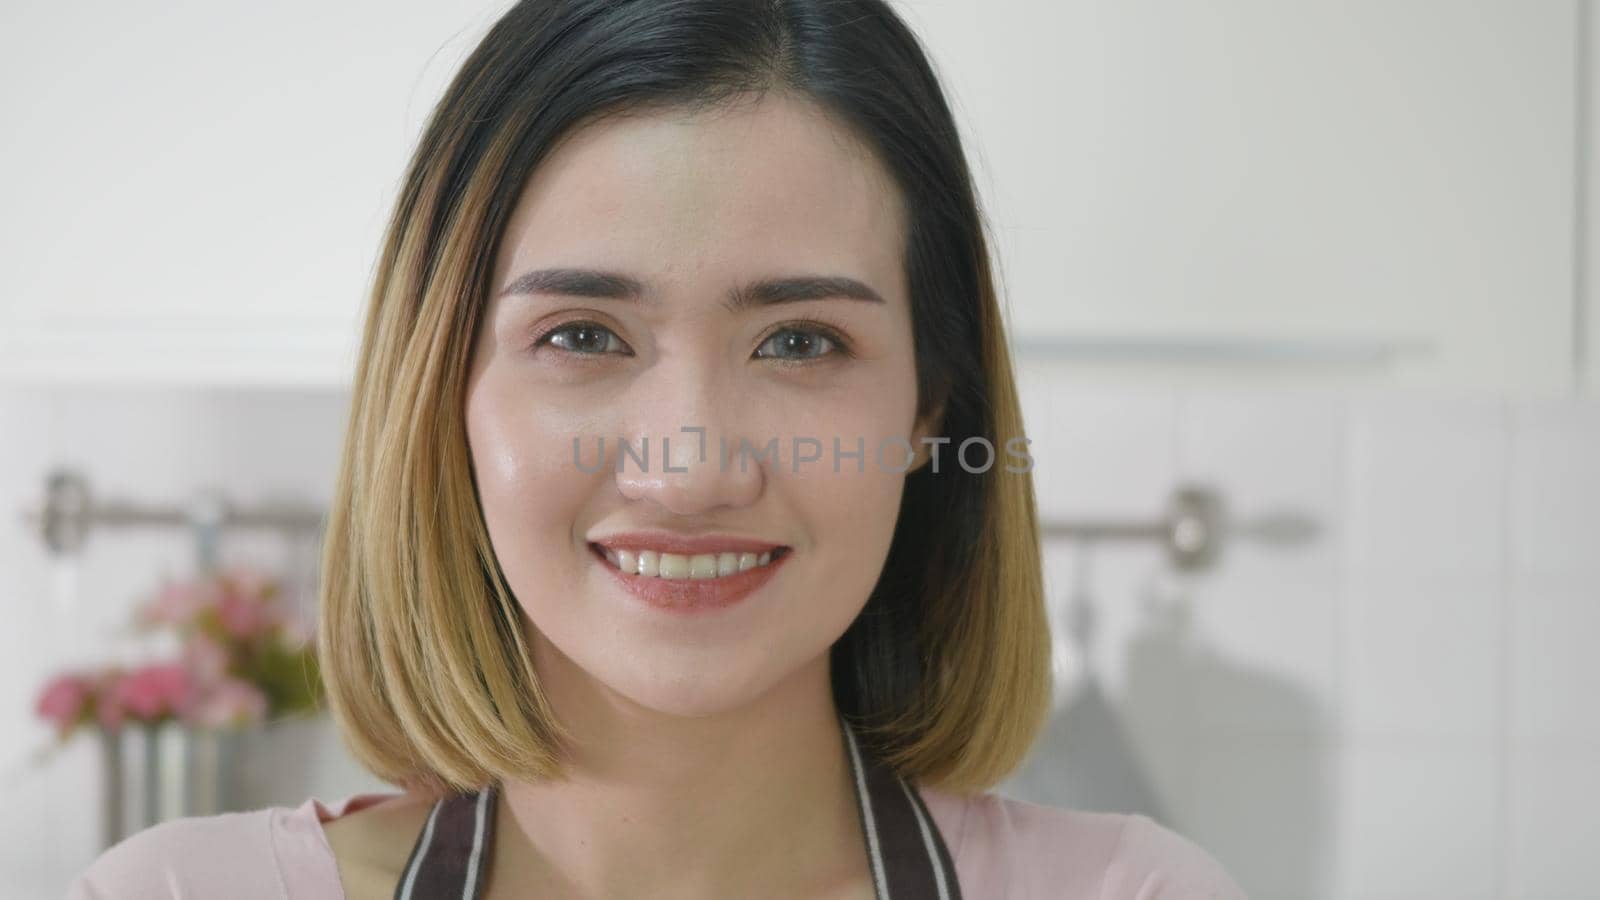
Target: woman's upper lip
(686, 544)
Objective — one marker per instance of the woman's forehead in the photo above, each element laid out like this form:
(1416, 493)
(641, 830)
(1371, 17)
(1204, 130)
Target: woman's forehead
(775, 185)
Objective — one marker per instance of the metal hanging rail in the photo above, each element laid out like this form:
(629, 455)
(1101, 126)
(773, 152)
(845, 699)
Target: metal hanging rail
(1193, 530)
(70, 513)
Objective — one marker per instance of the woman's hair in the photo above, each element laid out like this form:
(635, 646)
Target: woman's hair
(946, 672)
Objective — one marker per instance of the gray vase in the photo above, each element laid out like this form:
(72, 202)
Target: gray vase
(152, 774)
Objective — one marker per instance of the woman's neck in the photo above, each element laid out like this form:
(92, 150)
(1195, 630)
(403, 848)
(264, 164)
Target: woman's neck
(669, 806)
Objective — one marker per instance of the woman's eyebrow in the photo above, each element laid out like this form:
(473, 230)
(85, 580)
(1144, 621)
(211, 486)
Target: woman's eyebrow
(609, 285)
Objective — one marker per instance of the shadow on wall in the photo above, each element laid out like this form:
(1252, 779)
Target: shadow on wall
(1256, 799)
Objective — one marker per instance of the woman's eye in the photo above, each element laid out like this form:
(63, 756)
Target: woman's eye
(585, 338)
(799, 344)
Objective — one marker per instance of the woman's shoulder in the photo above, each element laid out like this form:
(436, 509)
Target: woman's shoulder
(372, 845)
(1035, 849)
(274, 852)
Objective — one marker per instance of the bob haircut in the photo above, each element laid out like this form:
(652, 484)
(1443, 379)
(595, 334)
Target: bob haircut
(946, 672)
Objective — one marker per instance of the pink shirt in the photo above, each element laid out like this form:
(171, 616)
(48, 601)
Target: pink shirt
(1002, 848)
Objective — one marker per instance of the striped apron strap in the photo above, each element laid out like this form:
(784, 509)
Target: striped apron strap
(451, 857)
(906, 852)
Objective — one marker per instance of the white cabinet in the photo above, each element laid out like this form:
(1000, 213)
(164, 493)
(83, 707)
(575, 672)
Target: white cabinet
(1316, 179)
(195, 192)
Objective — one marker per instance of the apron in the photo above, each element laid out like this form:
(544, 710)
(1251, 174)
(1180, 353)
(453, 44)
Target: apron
(905, 850)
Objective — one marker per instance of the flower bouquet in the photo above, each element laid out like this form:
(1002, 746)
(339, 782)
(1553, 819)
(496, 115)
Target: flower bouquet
(244, 658)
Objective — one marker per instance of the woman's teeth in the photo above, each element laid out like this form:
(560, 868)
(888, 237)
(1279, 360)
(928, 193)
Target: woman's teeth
(677, 565)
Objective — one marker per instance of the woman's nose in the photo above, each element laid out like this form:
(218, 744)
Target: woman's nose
(681, 450)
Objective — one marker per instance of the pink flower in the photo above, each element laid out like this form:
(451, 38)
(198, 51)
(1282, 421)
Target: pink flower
(229, 702)
(252, 583)
(153, 692)
(206, 658)
(244, 617)
(178, 602)
(65, 699)
(108, 710)
(297, 632)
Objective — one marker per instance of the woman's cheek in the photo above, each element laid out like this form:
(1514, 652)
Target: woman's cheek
(525, 473)
(852, 488)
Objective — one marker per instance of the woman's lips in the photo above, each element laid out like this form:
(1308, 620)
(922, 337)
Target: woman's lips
(691, 595)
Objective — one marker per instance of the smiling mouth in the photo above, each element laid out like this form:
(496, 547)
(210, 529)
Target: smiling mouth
(685, 567)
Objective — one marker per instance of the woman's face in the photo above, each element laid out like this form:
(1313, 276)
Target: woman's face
(694, 208)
